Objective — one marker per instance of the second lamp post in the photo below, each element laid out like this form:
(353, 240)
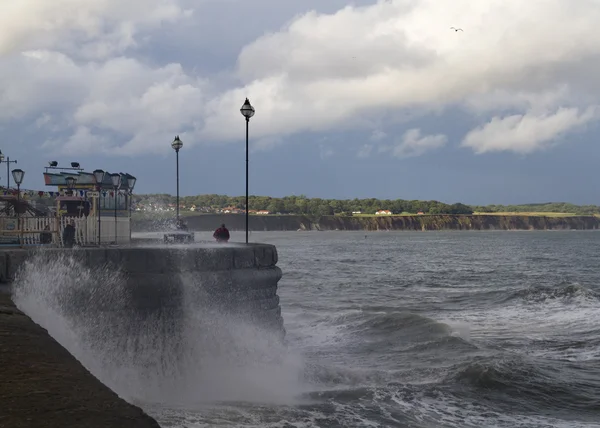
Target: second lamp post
(7, 162)
(247, 111)
(18, 175)
(116, 182)
(177, 144)
(99, 178)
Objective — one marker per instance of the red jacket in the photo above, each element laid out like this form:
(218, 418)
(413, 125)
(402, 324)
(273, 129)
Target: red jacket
(221, 234)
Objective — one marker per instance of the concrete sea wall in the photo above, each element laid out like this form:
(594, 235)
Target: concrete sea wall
(157, 314)
(237, 280)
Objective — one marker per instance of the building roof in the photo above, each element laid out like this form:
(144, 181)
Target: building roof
(84, 180)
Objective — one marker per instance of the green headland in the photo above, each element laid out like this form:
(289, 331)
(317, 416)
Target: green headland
(205, 212)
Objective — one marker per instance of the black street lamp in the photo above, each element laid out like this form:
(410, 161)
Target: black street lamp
(7, 162)
(70, 186)
(70, 183)
(247, 111)
(177, 144)
(116, 182)
(99, 178)
(18, 175)
(130, 185)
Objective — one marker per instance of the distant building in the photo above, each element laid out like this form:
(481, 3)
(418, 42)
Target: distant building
(262, 212)
(383, 212)
(420, 213)
(356, 212)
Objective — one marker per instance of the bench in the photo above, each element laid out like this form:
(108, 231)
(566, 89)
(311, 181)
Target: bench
(179, 237)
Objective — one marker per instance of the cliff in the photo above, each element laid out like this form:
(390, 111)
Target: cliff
(209, 222)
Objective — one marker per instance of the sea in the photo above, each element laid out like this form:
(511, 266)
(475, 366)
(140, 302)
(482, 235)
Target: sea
(392, 329)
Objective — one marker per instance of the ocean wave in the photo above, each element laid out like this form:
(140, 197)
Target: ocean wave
(397, 323)
(565, 292)
(392, 405)
(530, 384)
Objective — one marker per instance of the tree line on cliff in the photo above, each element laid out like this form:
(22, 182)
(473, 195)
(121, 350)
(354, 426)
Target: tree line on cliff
(301, 205)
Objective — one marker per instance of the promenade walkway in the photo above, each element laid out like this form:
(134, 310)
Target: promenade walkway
(42, 385)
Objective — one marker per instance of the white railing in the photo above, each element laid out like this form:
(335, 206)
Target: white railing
(29, 230)
(108, 230)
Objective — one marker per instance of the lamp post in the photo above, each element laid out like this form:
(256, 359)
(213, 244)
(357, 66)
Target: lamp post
(177, 144)
(7, 162)
(247, 111)
(99, 178)
(130, 185)
(70, 183)
(116, 182)
(18, 175)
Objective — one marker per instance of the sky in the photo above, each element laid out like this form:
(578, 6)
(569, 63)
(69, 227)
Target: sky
(358, 99)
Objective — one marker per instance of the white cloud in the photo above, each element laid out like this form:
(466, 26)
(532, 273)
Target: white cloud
(365, 151)
(325, 152)
(402, 55)
(527, 132)
(84, 72)
(265, 143)
(377, 135)
(144, 106)
(92, 28)
(412, 144)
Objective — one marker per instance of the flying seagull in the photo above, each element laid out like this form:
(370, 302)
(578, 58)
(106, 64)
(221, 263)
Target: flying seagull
(456, 29)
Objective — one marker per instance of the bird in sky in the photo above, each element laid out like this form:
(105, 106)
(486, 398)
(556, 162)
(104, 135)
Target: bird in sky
(456, 29)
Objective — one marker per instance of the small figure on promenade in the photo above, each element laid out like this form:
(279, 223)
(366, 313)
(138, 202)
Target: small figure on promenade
(181, 225)
(221, 234)
(46, 236)
(69, 235)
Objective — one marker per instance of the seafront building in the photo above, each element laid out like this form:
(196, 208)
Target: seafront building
(100, 211)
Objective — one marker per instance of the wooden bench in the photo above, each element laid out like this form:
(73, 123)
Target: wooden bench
(179, 237)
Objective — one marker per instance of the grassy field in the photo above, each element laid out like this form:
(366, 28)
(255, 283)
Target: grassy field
(375, 215)
(535, 214)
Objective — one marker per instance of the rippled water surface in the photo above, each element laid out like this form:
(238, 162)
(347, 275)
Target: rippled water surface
(457, 329)
(384, 329)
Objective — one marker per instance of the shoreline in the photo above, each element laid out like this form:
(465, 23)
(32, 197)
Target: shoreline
(482, 222)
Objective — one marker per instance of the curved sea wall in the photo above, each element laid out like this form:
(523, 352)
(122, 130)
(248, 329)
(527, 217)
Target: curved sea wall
(209, 222)
(236, 280)
(148, 321)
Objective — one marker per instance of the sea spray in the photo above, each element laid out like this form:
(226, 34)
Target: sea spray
(196, 353)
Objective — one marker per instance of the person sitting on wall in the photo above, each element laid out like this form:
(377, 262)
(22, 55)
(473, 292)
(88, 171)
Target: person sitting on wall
(46, 236)
(221, 234)
(69, 235)
(180, 225)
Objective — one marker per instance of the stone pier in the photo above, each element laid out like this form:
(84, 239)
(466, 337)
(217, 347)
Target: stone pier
(130, 297)
(237, 280)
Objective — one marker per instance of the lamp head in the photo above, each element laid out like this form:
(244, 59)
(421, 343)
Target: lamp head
(116, 180)
(18, 175)
(247, 110)
(70, 182)
(99, 176)
(177, 144)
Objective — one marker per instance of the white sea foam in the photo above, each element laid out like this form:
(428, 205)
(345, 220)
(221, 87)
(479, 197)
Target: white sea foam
(215, 358)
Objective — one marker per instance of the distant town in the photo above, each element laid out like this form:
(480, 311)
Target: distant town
(301, 205)
(227, 210)
(151, 207)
